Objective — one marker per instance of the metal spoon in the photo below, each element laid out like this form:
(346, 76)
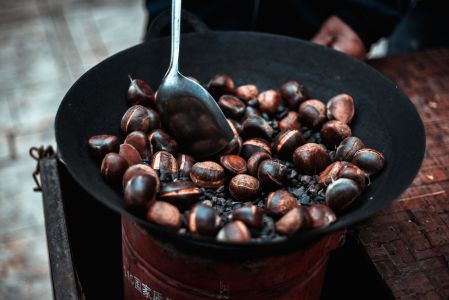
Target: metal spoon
(188, 112)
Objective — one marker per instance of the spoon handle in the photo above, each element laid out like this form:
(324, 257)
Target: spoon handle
(175, 35)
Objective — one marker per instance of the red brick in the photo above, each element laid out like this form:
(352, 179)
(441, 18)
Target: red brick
(399, 252)
(440, 277)
(386, 269)
(438, 237)
(432, 295)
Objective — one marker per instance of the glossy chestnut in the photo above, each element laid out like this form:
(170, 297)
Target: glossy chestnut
(348, 147)
(353, 172)
(244, 187)
(220, 85)
(235, 231)
(139, 140)
(330, 173)
(139, 191)
(293, 93)
(113, 167)
(311, 158)
(164, 163)
(269, 101)
(369, 160)
(286, 142)
(203, 220)
(234, 164)
(100, 145)
(320, 215)
(185, 164)
(233, 147)
(160, 140)
(254, 145)
(130, 154)
(140, 169)
(254, 161)
(165, 214)
(182, 194)
(290, 121)
(247, 92)
(251, 111)
(312, 113)
(251, 215)
(140, 118)
(140, 93)
(208, 174)
(293, 221)
(272, 174)
(333, 132)
(256, 127)
(232, 107)
(341, 193)
(280, 202)
(341, 108)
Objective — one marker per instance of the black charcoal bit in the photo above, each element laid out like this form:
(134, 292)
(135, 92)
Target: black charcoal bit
(253, 102)
(306, 179)
(332, 156)
(307, 134)
(220, 189)
(265, 116)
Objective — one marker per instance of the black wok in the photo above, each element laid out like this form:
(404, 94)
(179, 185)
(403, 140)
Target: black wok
(385, 119)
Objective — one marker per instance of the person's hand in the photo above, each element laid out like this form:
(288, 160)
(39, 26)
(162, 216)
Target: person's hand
(336, 34)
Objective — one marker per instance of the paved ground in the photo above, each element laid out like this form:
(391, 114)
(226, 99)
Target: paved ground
(45, 45)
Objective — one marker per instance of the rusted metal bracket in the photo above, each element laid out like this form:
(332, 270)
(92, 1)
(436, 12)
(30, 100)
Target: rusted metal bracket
(38, 153)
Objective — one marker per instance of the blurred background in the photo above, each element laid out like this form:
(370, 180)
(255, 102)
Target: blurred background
(45, 45)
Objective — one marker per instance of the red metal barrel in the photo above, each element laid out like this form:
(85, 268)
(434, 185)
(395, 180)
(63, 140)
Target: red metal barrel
(157, 270)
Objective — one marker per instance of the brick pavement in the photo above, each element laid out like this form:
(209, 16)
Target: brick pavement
(45, 46)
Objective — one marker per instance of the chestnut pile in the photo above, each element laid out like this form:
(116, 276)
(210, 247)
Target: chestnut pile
(292, 165)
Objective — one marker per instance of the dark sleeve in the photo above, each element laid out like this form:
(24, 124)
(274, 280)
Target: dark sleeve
(372, 19)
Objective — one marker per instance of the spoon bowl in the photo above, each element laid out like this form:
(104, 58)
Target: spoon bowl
(188, 112)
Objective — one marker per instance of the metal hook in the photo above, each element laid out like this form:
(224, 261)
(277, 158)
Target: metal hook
(38, 153)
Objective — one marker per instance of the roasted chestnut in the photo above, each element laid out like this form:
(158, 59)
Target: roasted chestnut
(139, 140)
(341, 193)
(244, 187)
(272, 174)
(251, 215)
(348, 147)
(312, 113)
(185, 164)
(286, 142)
(113, 167)
(369, 160)
(140, 118)
(139, 191)
(203, 220)
(256, 127)
(330, 173)
(139, 169)
(165, 214)
(254, 160)
(130, 154)
(341, 108)
(140, 93)
(269, 101)
(290, 121)
(220, 85)
(293, 93)
(280, 202)
(208, 174)
(333, 132)
(311, 158)
(233, 147)
(160, 140)
(165, 163)
(234, 164)
(254, 145)
(292, 221)
(320, 215)
(100, 145)
(235, 231)
(232, 107)
(353, 172)
(182, 194)
(235, 126)
(251, 111)
(247, 92)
